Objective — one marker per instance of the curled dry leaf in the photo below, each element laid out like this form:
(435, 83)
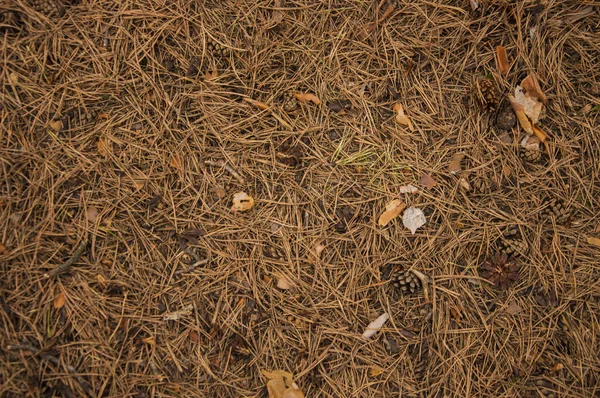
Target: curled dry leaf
(306, 97)
(375, 371)
(376, 325)
(281, 384)
(413, 219)
(56, 125)
(427, 181)
(258, 104)
(402, 118)
(454, 166)
(539, 133)
(409, 189)
(502, 60)
(59, 300)
(242, 202)
(531, 142)
(392, 210)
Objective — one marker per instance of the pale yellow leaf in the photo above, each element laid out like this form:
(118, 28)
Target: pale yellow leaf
(392, 210)
(593, 241)
(402, 118)
(521, 116)
(375, 371)
(281, 384)
(59, 300)
(242, 202)
(283, 282)
(539, 133)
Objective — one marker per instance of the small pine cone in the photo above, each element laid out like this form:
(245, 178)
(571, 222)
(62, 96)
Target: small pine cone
(483, 184)
(531, 155)
(216, 48)
(557, 209)
(77, 117)
(48, 7)
(273, 252)
(487, 93)
(290, 104)
(506, 118)
(406, 282)
(513, 247)
(420, 355)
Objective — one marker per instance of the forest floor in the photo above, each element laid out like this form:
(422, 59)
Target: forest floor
(127, 128)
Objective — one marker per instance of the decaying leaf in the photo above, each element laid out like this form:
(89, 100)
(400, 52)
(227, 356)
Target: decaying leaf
(502, 60)
(306, 97)
(56, 125)
(376, 325)
(593, 241)
(59, 300)
(319, 249)
(454, 166)
(242, 202)
(528, 103)
(409, 189)
(375, 371)
(102, 146)
(176, 315)
(283, 282)
(532, 87)
(539, 133)
(402, 118)
(91, 213)
(3, 249)
(464, 184)
(281, 384)
(392, 210)
(413, 219)
(176, 162)
(427, 181)
(513, 307)
(531, 142)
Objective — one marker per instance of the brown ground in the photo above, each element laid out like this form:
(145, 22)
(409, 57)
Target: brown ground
(110, 111)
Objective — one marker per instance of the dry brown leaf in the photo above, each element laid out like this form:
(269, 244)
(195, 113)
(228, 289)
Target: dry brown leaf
(138, 183)
(521, 116)
(593, 241)
(13, 78)
(427, 181)
(102, 146)
(281, 384)
(91, 213)
(375, 371)
(305, 97)
(402, 118)
(220, 191)
(539, 133)
(505, 137)
(102, 116)
(212, 75)
(392, 210)
(319, 249)
(176, 162)
(502, 60)
(56, 125)
(59, 300)
(258, 104)
(513, 307)
(531, 142)
(3, 249)
(101, 279)
(506, 170)
(559, 366)
(194, 336)
(532, 88)
(464, 184)
(454, 166)
(242, 202)
(283, 282)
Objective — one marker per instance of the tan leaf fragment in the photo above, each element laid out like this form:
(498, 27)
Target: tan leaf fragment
(464, 184)
(593, 241)
(176, 315)
(427, 181)
(531, 142)
(258, 104)
(392, 210)
(513, 307)
(454, 166)
(281, 384)
(375, 371)
(502, 60)
(539, 133)
(283, 282)
(56, 125)
(402, 118)
(306, 97)
(91, 213)
(532, 87)
(521, 116)
(176, 162)
(59, 300)
(410, 188)
(242, 202)
(102, 146)
(375, 326)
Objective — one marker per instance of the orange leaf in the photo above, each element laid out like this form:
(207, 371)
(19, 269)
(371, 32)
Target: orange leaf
(454, 166)
(392, 210)
(305, 97)
(427, 181)
(242, 202)
(402, 118)
(593, 241)
(3, 249)
(176, 162)
(56, 125)
(502, 60)
(258, 104)
(539, 133)
(521, 116)
(59, 300)
(531, 85)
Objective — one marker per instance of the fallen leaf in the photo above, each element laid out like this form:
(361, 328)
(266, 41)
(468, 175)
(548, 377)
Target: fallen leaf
(3, 249)
(13, 78)
(559, 366)
(341, 105)
(464, 184)
(220, 192)
(101, 279)
(505, 137)
(539, 133)
(529, 105)
(305, 97)
(318, 250)
(194, 336)
(392, 210)
(176, 162)
(375, 371)
(102, 116)
(413, 219)
(242, 202)
(102, 146)
(176, 315)
(91, 214)
(258, 104)
(427, 181)
(283, 282)
(56, 125)
(506, 170)
(531, 142)
(521, 116)
(402, 118)
(211, 75)
(281, 384)
(409, 189)
(59, 300)
(375, 326)
(138, 183)
(150, 340)
(513, 307)
(532, 87)
(454, 166)
(502, 60)
(585, 109)
(593, 241)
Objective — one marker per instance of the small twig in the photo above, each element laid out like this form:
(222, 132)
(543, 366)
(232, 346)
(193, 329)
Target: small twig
(64, 267)
(231, 170)
(424, 282)
(191, 267)
(266, 107)
(84, 384)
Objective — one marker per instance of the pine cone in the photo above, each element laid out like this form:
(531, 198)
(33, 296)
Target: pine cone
(506, 118)
(48, 7)
(501, 270)
(487, 93)
(512, 244)
(405, 281)
(557, 209)
(482, 184)
(77, 117)
(531, 155)
(216, 48)
(290, 104)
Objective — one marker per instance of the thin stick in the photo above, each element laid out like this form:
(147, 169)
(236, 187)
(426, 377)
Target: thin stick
(82, 383)
(424, 282)
(231, 170)
(64, 267)
(191, 267)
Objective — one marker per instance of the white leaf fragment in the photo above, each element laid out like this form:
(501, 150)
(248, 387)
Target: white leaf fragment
(374, 326)
(413, 219)
(176, 315)
(410, 188)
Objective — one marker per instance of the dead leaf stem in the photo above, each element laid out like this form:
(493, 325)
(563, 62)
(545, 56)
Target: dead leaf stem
(66, 266)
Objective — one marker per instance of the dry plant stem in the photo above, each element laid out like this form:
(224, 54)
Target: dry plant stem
(192, 267)
(265, 107)
(424, 282)
(222, 163)
(66, 266)
(84, 384)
